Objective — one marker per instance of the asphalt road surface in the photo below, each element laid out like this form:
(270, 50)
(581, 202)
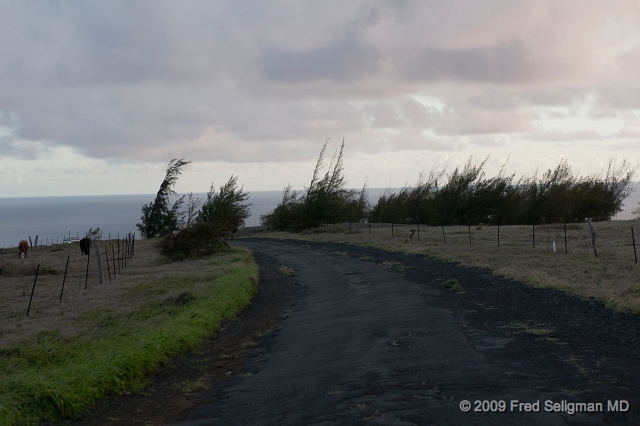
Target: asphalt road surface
(363, 345)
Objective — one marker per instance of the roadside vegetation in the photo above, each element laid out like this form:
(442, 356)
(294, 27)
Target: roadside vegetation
(326, 199)
(108, 339)
(464, 196)
(193, 233)
(458, 216)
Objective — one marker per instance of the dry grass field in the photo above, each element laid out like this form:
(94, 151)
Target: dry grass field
(613, 277)
(79, 308)
(108, 337)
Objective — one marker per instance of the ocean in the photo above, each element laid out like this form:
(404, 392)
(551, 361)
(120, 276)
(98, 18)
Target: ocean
(51, 218)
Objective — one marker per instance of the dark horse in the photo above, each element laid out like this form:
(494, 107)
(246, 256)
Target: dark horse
(85, 246)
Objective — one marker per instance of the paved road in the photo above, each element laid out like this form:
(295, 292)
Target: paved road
(362, 345)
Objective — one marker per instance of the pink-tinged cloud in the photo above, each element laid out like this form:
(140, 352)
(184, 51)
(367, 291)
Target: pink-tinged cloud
(265, 82)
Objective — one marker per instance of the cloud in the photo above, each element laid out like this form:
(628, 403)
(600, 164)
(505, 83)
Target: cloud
(507, 63)
(248, 81)
(558, 135)
(342, 61)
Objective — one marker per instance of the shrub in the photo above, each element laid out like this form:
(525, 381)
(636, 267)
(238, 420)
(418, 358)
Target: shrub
(195, 241)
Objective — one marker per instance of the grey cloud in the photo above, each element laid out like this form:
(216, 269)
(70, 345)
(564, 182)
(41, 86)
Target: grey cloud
(342, 61)
(240, 81)
(10, 146)
(506, 63)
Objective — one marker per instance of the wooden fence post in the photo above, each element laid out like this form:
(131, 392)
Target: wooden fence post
(593, 238)
(99, 262)
(443, 236)
(33, 290)
(86, 275)
(106, 253)
(65, 277)
(533, 230)
(633, 238)
(113, 257)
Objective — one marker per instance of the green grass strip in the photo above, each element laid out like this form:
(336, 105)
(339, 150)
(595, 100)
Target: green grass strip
(111, 365)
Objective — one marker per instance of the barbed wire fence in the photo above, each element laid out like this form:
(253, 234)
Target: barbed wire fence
(28, 287)
(608, 239)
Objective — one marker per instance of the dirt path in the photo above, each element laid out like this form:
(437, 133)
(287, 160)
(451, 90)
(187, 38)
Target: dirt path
(372, 338)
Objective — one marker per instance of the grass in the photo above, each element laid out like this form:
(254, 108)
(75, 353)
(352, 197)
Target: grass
(55, 365)
(452, 285)
(535, 330)
(287, 270)
(613, 277)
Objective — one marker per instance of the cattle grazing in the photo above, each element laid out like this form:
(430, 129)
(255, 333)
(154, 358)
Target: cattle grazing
(23, 246)
(85, 246)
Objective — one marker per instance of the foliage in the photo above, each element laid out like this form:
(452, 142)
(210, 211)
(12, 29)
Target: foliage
(325, 200)
(191, 213)
(93, 234)
(226, 206)
(196, 240)
(467, 197)
(452, 285)
(159, 217)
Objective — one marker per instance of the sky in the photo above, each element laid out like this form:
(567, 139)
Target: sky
(96, 97)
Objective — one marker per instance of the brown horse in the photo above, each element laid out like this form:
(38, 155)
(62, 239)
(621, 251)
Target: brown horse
(23, 246)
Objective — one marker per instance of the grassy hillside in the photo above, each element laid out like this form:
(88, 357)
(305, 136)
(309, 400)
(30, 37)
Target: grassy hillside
(108, 338)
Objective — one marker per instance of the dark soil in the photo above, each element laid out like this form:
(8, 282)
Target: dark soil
(177, 387)
(555, 340)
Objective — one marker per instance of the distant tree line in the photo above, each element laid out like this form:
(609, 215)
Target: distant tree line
(464, 196)
(200, 229)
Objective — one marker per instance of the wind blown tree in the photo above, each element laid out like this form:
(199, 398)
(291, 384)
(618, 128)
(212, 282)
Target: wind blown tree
(226, 206)
(559, 195)
(160, 217)
(208, 230)
(191, 213)
(325, 200)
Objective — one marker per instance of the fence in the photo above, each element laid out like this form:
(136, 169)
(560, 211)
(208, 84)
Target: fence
(612, 238)
(28, 287)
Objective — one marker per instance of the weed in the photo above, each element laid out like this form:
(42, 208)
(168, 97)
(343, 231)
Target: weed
(537, 330)
(452, 285)
(285, 269)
